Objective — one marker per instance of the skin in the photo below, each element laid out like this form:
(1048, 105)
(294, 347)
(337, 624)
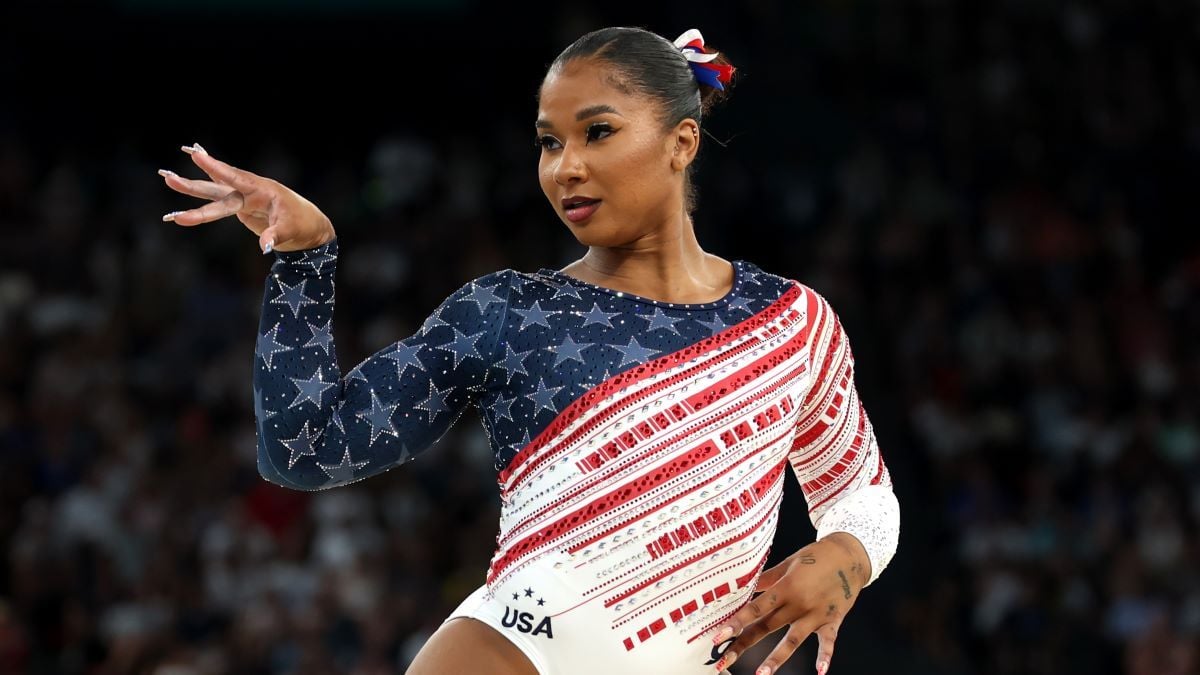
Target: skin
(809, 592)
(640, 241)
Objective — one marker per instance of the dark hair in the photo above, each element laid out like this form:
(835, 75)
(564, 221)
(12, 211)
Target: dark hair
(649, 64)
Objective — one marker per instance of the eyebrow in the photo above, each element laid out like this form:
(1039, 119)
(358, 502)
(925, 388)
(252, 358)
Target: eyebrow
(590, 111)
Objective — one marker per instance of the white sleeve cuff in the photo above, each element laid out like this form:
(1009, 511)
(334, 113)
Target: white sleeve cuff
(872, 514)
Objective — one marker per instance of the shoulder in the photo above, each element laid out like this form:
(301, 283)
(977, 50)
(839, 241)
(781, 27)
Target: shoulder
(752, 275)
(526, 287)
(514, 278)
(514, 288)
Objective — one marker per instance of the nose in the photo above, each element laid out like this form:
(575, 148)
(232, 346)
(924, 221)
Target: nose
(570, 167)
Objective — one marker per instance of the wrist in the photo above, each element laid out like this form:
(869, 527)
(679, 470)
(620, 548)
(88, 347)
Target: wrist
(326, 237)
(859, 562)
(309, 244)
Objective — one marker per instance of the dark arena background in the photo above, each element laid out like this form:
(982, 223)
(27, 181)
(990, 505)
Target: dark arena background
(998, 197)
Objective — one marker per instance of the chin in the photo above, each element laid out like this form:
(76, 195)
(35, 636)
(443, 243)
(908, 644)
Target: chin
(596, 234)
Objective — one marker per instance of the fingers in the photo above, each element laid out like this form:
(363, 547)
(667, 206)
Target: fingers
(223, 207)
(791, 641)
(195, 188)
(758, 608)
(772, 576)
(243, 181)
(826, 636)
(750, 636)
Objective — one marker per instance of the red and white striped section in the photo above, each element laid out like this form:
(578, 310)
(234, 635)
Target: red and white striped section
(664, 474)
(834, 451)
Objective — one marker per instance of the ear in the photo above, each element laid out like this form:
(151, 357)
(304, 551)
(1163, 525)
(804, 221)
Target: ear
(687, 144)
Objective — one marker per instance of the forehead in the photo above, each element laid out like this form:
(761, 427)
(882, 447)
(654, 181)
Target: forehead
(583, 83)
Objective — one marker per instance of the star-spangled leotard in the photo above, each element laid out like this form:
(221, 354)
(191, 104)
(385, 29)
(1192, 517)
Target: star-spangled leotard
(640, 446)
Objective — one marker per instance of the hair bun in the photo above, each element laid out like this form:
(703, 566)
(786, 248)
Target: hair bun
(710, 67)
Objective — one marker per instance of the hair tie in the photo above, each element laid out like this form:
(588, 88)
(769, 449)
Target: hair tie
(715, 75)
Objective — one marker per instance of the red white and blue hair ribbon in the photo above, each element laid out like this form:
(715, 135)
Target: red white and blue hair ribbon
(715, 75)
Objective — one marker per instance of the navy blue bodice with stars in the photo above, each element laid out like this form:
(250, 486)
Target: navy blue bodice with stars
(518, 346)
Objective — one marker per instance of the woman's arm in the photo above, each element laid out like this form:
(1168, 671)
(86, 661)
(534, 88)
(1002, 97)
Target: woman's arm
(835, 455)
(850, 500)
(317, 429)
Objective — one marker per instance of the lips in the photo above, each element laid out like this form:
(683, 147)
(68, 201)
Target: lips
(579, 207)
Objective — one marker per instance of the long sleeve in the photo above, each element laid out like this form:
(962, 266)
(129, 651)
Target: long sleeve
(317, 429)
(835, 455)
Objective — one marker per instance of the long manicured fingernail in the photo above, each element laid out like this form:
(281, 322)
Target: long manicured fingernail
(822, 667)
(170, 217)
(165, 172)
(187, 148)
(268, 247)
(765, 670)
(722, 635)
(199, 148)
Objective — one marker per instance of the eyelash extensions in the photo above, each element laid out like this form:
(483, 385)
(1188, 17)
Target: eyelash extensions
(543, 142)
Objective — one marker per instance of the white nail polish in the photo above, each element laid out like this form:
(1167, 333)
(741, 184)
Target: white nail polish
(170, 217)
(187, 148)
(267, 249)
(166, 172)
(199, 148)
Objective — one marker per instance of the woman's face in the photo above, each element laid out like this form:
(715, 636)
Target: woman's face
(609, 147)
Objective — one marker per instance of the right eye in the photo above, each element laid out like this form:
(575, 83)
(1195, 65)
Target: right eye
(545, 142)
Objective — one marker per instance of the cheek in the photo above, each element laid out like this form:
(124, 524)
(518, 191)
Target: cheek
(546, 174)
(643, 172)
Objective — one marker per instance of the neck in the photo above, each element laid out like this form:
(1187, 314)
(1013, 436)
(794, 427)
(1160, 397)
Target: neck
(668, 265)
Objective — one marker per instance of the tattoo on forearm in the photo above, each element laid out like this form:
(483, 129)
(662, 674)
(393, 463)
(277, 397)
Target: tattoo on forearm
(831, 610)
(845, 584)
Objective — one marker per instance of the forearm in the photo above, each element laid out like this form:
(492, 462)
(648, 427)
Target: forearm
(297, 381)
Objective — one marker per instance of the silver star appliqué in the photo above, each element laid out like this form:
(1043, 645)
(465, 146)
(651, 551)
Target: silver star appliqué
(310, 389)
(482, 296)
(597, 315)
(343, 472)
(544, 396)
(302, 444)
(633, 352)
(322, 336)
(268, 345)
(660, 319)
(462, 346)
(318, 259)
(569, 350)
(534, 316)
(436, 401)
(513, 363)
(379, 417)
(406, 356)
(293, 297)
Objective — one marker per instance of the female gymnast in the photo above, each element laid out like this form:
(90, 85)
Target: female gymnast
(643, 403)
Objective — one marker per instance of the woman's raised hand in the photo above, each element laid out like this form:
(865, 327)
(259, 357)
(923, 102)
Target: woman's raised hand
(282, 219)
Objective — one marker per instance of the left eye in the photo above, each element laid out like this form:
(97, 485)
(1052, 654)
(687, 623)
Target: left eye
(598, 131)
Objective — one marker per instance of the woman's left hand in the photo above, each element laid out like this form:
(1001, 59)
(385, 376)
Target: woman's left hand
(809, 592)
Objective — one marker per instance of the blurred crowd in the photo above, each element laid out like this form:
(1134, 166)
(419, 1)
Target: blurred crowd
(998, 201)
